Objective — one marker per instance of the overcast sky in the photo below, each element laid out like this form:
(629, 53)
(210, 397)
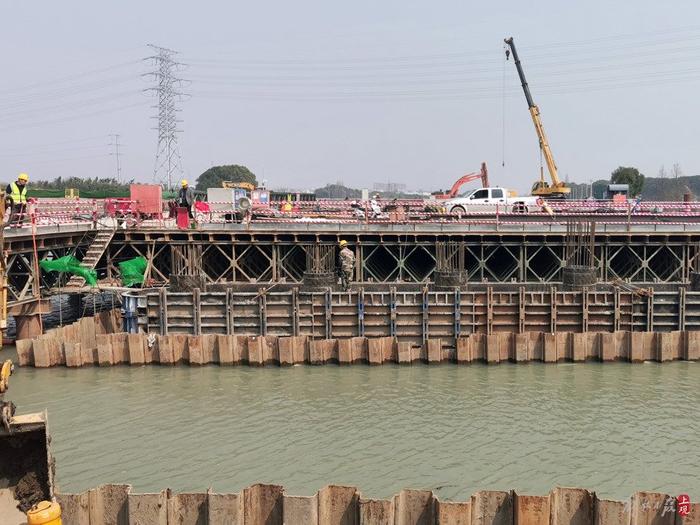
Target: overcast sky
(310, 92)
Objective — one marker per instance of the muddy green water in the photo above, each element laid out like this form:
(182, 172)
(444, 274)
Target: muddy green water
(615, 428)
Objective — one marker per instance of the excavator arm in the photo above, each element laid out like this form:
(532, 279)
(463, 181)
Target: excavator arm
(483, 174)
(558, 188)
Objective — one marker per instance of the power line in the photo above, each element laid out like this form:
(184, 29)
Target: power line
(71, 106)
(636, 42)
(66, 159)
(71, 118)
(633, 61)
(167, 89)
(460, 91)
(54, 151)
(55, 147)
(57, 81)
(70, 94)
(115, 143)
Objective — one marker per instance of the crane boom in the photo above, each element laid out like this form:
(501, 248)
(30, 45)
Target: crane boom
(558, 188)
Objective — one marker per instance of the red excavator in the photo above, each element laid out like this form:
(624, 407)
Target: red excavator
(454, 190)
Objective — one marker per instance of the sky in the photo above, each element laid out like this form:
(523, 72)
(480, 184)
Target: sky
(312, 92)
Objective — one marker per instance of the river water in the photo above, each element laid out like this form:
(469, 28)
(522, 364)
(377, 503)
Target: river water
(615, 428)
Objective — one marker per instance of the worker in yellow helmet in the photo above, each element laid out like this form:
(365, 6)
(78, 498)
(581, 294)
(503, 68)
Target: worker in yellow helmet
(185, 198)
(287, 206)
(16, 199)
(347, 264)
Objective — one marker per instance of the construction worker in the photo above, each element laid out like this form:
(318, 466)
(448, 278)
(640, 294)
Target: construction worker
(347, 264)
(16, 199)
(374, 206)
(185, 198)
(287, 206)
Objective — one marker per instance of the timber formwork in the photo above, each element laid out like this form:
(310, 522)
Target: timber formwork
(415, 316)
(530, 255)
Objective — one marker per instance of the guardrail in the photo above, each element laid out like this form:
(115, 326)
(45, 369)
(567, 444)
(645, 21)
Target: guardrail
(41, 212)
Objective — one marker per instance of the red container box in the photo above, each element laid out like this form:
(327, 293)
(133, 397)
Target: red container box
(182, 218)
(148, 199)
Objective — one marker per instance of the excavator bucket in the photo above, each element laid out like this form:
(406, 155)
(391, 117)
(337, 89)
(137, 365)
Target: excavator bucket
(26, 466)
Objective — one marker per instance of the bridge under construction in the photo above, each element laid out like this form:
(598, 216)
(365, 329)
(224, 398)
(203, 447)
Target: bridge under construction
(385, 253)
(505, 252)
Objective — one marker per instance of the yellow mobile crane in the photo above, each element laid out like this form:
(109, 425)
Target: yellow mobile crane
(558, 189)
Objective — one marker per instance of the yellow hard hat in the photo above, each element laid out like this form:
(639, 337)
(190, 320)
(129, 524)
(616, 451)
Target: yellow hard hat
(343, 242)
(183, 182)
(23, 176)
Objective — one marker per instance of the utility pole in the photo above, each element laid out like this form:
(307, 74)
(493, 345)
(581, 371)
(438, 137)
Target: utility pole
(167, 90)
(115, 143)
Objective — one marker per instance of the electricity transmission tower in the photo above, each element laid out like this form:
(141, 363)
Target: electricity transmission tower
(167, 90)
(116, 153)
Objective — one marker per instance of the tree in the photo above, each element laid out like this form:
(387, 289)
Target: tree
(631, 176)
(595, 189)
(214, 176)
(673, 188)
(676, 171)
(89, 187)
(337, 191)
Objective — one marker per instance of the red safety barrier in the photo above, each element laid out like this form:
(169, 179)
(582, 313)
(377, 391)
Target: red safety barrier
(115, 207)
(148, 212)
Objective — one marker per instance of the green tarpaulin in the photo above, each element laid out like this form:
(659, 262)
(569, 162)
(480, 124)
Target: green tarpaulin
(133, 270)
(69, 264)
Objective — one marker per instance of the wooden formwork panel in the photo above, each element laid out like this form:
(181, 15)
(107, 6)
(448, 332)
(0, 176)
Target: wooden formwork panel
(440, 315)
(537, 311)
(180, 313)
(473, 312)
(601, 311)
(377, 314)
(416, 316)
(280, 314)
(212, 313)
(503, 312)
(667, 311)
(691, 312)
(570, 315)
(344, 315)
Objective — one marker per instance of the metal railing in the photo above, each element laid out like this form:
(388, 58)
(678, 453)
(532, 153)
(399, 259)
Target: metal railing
(47, 212)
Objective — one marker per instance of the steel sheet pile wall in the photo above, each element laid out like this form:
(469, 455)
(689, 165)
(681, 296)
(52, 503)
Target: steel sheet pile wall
(338, 505)
(416, 316)
(139, 349)
(72, 339)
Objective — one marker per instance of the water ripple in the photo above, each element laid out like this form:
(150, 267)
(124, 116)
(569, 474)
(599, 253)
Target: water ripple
(615, 428)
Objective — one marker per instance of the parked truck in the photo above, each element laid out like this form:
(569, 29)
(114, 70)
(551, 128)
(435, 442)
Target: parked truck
(492, 199)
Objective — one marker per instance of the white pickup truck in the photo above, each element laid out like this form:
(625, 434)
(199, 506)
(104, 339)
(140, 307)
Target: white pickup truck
(490, 200)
